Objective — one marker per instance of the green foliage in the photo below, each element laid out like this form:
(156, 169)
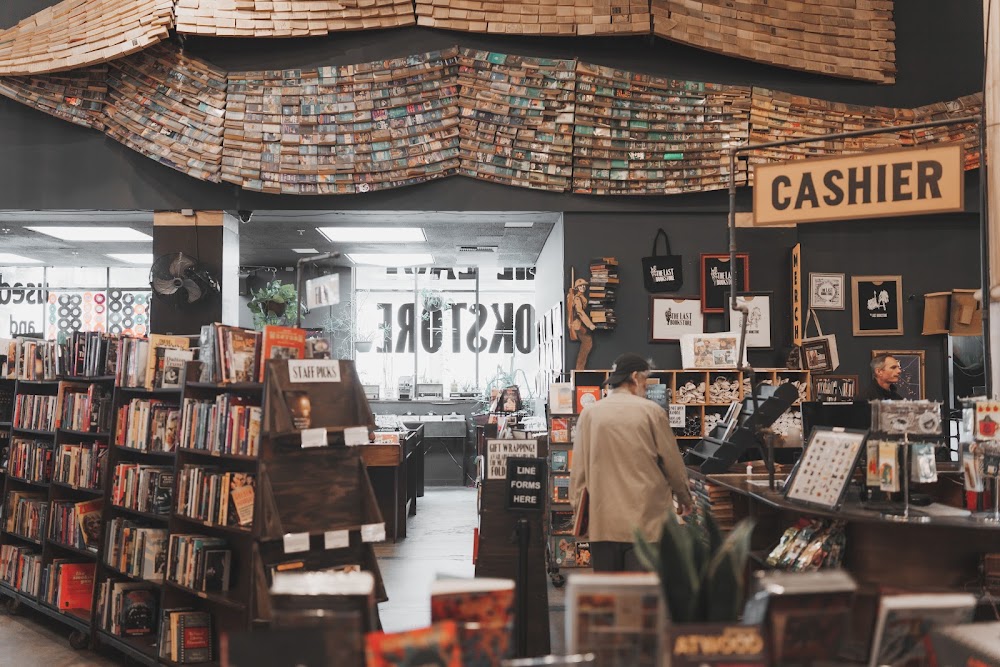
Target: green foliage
(701, 572)
(274, 303)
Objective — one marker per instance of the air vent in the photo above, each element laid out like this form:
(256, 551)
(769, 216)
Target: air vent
(478, 248)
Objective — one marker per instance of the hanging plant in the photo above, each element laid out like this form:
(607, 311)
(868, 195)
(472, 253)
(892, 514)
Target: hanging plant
(433, 300)
(275, 303)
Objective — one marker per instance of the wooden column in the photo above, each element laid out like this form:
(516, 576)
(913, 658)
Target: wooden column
(212, 237)
(991, 31)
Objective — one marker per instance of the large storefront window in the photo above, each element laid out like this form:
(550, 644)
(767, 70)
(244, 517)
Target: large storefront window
(456, 331)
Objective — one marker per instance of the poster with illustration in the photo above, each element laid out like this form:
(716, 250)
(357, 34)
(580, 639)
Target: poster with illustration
(878, 305)
(758, 305)
(671, 318)
(717, 277)
(711, 350)
(826, 291)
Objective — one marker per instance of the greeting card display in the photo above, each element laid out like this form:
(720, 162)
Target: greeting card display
(821, 476)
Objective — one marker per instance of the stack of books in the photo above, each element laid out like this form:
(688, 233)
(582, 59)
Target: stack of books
(81, 465)
(199, 562)
(143, 488)
(517, 119)
(305, 19)
(221, 498)
(49, 93)
(524, 17)
(148, 425)
(136, 550)
(229, 354)
(719, 501)
(603, 292)
(76, 524)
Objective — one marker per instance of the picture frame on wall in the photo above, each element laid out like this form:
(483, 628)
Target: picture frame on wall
(826, 291)
(670, 318)
(878, 305)
(716, 277)
(911, 383)
(709, 351)
(817, 356)
(759, 324)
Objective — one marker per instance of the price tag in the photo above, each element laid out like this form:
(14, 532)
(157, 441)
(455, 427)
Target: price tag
(296, 542)
(356, 435)
(373, 532)
(313, 437)
(336, 539)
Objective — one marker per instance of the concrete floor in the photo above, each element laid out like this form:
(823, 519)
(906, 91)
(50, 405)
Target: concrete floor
(439, 542)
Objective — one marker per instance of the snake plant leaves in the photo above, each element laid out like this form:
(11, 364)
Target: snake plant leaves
(679, 573)
(648, 554)
(723, 584)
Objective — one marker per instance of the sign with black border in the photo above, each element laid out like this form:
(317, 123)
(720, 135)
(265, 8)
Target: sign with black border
(526, 484)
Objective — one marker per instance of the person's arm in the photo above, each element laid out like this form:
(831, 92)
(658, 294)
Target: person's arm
(582, 314)
(578, 466)
(671, 461)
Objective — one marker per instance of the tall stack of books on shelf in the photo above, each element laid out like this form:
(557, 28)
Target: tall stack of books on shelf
(227, 425)
(603, 292)
(76, 524)
(148, 424)
(718, 500)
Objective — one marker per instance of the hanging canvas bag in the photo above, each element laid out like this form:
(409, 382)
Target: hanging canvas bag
(819, 353)
(662, 273)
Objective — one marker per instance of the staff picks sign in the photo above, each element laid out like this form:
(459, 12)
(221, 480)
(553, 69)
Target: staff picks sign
(868, 185)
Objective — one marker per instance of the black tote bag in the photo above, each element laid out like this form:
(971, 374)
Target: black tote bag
(662, 273)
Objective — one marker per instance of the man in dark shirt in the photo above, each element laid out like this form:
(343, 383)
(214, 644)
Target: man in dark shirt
(885, 374)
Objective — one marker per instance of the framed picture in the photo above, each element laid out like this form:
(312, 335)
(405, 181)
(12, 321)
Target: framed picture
(711, 350)
(816, 355)
(821, 476)
(835, 387)
(716, 277)
(759, 322)
(826, 291)
(911, 372)
(878, 305)
(671, 318)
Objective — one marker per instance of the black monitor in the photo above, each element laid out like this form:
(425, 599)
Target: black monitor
(853, 414)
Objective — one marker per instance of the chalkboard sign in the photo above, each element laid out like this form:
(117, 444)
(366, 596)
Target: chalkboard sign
(526, 484)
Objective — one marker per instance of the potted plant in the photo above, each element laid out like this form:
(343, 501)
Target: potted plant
(275, 303)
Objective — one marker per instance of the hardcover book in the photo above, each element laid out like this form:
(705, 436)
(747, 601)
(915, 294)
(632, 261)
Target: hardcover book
(76, 585)
(138, 611)
(156, 342)
(618, 617)
(436, 645)
(561, 460)
(171, 375)
(241, 496)
(191, 633)
(560, 488)
(570, 552)
(281, 343)
(561, 398)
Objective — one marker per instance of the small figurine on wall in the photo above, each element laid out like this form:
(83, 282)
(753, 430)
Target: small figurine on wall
(580, 324)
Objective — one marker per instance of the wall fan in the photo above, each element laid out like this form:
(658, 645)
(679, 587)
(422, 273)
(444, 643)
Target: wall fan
(179, 278)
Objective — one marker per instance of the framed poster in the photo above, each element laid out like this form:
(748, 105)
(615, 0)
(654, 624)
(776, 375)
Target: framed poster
(711, 350)
(670, 318)
(911, 372)
(817, 356)
(878, 305)
(716, 277)
(835, 387)
(821, 476)
(826, 291)
(759, 322)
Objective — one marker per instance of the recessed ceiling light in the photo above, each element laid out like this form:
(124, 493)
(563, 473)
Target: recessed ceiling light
(306, 251)
(106, 234)
(518, 224)
(9, 258)
(391, 259)
(373, 234)
(133, 258)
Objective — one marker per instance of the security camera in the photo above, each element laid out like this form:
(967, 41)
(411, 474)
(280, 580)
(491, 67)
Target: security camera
(245, 215)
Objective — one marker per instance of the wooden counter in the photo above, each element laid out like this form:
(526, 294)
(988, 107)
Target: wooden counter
(396, 473)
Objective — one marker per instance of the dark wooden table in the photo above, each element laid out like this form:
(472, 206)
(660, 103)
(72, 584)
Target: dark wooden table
(396, 472)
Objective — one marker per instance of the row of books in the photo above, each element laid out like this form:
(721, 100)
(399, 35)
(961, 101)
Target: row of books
(144, 488)
(127, 608)
(226, 425)
(229, 354)
(199, 562)
(218, 497)
(34, 411)
(142, 362)
(26, 513)
(137, 550)
(21, 568)
(68, 584)
(185, 636)
(76, 524)
(81, 465)
(149, 425)
(32, 359)
(91, 354)
(88, 410)
(602, 292)
(30, 460)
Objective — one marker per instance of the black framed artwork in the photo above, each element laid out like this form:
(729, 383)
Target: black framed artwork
(878, 305)
(911, 372)
(760, 325)
(716, 278)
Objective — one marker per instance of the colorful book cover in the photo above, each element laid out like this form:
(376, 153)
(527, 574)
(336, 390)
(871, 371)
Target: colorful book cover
(172, 374)
(241, 496)
(88, 514)
(619, 617)
(281, 343)
(586, 396)
(560, 488)
(561, 522)
(436, 645)
(569, 552)
(242, 353)
(560, 460)
(561, 398)
(157, 341)
(139, 611)
(560, 430)
(76, 585)
(194, 637)
(481, 600)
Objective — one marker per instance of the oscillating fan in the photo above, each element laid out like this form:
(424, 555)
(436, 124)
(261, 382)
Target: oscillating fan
(180, 278)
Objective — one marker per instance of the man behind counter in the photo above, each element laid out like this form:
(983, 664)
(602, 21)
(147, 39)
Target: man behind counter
(885, 375)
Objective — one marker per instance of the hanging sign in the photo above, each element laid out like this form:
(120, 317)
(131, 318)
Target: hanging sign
(526, 484)
(323, 291)
(915, 181)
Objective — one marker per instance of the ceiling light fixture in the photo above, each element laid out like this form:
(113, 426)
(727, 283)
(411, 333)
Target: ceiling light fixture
(512, 225)
(133, 258)
(391, 259)
(10, 258)
(373, 234)
(106, 234)
(306, 251)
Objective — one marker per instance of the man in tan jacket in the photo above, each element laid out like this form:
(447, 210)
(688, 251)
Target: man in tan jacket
(627, 459)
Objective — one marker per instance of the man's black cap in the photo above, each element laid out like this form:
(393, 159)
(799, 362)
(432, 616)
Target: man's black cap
(624, 366)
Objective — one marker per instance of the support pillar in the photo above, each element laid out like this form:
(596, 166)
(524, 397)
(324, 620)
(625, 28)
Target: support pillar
(211, 237)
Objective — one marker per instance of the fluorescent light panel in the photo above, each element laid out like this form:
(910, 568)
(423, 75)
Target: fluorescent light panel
(510, 225)
(391, 259)
(10, 258)
(306, 251)
(373, 234)
(105, 234)
(133, 258)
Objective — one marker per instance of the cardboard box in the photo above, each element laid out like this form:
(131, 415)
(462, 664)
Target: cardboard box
(937, 312)
(966, 313)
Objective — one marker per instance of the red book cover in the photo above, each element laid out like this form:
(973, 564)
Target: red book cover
(586, 396)
(481, 600)
(76, 585)
(436, 645)
(281, 343)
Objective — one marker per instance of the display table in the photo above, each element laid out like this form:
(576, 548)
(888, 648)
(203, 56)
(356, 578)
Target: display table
(395, 471)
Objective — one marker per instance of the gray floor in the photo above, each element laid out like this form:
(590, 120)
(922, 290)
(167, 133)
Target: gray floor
(439, 542)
